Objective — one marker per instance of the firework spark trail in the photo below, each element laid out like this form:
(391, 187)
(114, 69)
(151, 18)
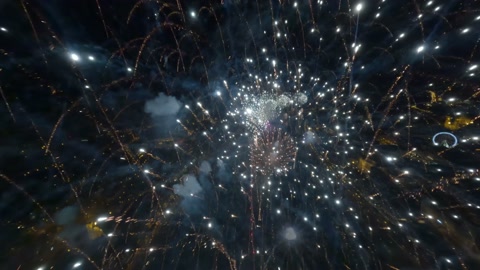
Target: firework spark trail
(47, 146)
(6, 104)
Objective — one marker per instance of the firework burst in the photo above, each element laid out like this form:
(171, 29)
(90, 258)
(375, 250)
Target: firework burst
(232, 135)
(271, 150)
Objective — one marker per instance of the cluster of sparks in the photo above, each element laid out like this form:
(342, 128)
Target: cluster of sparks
(296, 159)
(271, 151)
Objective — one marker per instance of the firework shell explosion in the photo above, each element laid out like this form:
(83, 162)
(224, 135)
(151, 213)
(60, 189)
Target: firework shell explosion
(240, 134)
(271, 150)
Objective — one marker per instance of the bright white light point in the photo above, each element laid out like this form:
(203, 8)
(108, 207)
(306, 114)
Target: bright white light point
(91, 58)
(151, 249)
(40, 268)
(127, 250)
(218, 93)
(359, 7)
(146, 171)
(141, 150)
(401, 35)
(209, 225)
(100, 219)
(429, 3)
(192, 14)
(420, 49)
(337, 201)
(3, 29)
(448, 260)
(77, 264)
(465, 30)
(129, 69)
(110, 234)
(167, 211)
(75, 57)
(472, 67)
(176, 145)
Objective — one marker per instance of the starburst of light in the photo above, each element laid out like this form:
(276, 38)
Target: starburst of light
(240, 136)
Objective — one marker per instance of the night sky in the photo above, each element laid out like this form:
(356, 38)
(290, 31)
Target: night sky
(237, 134)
